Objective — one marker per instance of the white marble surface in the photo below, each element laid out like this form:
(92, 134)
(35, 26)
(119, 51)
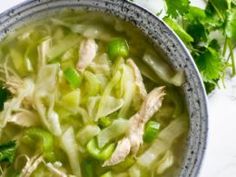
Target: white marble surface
(220, 157)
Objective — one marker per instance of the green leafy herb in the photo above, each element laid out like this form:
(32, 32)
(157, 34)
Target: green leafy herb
(7, 152)
(195, 26)
(4, 95)
(175, 8)
(230, 28)
(210, 64)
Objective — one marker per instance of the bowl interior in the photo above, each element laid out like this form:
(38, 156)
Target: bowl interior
(163, 39)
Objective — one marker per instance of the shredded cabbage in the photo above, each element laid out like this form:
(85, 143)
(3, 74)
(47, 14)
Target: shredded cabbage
(87, 133)
(162, 143)
(94, 31)
(165, 163)
(163, 71)
(45, 90)
(69, 145)
(129, 90)
(106, 93)
(64, 45)
(115, 130)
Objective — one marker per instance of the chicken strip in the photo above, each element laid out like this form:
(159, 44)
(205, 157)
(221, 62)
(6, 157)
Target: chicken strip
(87, 53)
(121, 152)
(134, 138)
(150, 106)
(31, 166)
(55, 171)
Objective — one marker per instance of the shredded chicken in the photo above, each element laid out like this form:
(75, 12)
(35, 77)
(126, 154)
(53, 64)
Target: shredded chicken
(55, 170)
(134, 138)
(31, 165)
(138, 78)
(23, 91)
(13, 84)
(121, 152)
(87, 53)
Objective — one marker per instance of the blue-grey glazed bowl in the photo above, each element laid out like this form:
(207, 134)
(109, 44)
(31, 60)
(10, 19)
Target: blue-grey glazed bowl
(163, 39)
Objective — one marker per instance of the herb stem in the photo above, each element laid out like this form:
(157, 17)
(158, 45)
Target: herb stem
(217, 11)
(231, 49)
(225, 46)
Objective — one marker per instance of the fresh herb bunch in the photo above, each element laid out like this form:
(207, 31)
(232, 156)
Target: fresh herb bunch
(202, 31)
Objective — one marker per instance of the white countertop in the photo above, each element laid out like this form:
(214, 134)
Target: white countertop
(220, 157)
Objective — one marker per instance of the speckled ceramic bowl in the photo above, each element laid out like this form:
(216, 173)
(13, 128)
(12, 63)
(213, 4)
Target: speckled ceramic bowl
(163, 39)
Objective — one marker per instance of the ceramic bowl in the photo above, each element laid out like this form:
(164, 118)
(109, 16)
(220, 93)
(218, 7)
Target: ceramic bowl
(163, 39)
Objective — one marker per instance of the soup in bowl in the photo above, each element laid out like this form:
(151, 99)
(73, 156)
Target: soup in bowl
(85, 93)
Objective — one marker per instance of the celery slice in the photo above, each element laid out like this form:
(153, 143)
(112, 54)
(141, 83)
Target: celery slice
(151, 131)
(118, 48)
(73, 77)
(100, 154)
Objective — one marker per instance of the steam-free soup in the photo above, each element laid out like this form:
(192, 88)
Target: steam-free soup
(85, 94)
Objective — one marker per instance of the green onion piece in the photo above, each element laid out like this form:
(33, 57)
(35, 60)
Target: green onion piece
(73, 77)
(151, 131)
(45, 141)
(118, 48)
(100, 154)
(107, 174)
(104, 122)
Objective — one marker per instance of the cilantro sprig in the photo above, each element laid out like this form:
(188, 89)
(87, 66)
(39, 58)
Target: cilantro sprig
(195, 27)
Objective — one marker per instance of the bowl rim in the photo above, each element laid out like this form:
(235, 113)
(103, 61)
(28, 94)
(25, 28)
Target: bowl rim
(6, 14)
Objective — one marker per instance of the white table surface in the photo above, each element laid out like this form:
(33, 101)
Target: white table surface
(220, 157)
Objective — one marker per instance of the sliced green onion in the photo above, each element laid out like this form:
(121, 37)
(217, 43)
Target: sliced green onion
(118, 48)
(104, 122)
(45, 139)
(100, 154)
(151, 131)
(107, 174)
(73, 77)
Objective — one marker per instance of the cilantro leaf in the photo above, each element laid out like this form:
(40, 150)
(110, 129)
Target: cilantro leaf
(7, 151)
(198, 32)
(215, 45)
(218, 7)
(4, 95)
(210, 86)
(210, 64)
(175, 8)
(195, 14)
(230, 27)
(178, 30)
